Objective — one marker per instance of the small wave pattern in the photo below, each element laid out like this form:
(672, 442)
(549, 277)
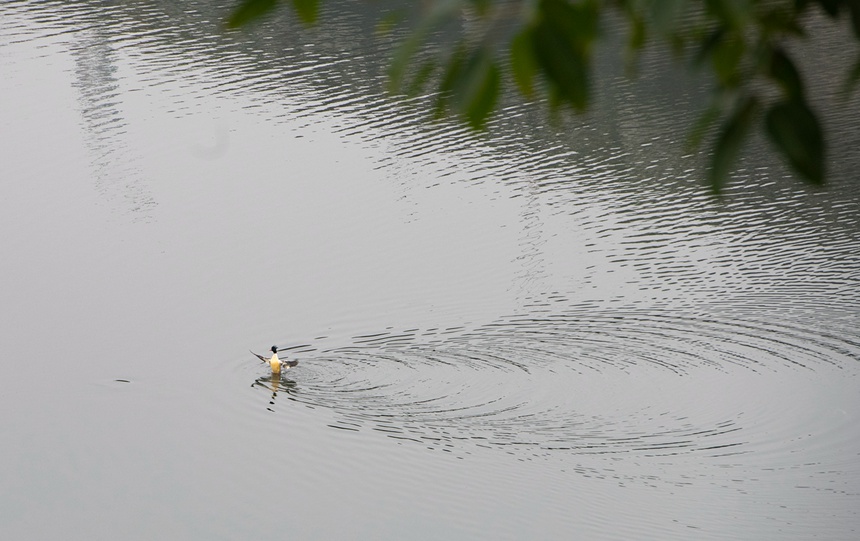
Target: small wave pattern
(615, 384)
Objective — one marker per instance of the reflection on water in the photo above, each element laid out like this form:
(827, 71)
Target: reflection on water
(116, 171)
(275, 384)
(545, 331)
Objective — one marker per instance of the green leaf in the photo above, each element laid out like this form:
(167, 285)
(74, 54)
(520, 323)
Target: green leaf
(780, 20)
(729, 143)
(726, 59)
(421, 78)
(482, 96)
(851, 81)
(733, 13)
(701, 127)
(250, 10)
(855, 17)
(561, 41)
(402, 57)
(638, 33)
(481, 6)
(481, 92)
(449, 79)
(709, 44)
(783, 71)
(307, 10)
(470, 86)
(523, 65)
(794, 129)
(830, 6)
(441, 12)
(565, 68)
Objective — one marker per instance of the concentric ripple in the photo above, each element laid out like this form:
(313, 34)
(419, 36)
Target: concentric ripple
(616, 384)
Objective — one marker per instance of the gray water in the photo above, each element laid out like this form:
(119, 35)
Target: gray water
(542, 332)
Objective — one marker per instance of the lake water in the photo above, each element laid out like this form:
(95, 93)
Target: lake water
(542, 332)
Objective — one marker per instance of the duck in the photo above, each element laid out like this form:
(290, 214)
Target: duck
(275, 363)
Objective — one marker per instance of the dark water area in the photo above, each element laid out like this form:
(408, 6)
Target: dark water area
(547, 331)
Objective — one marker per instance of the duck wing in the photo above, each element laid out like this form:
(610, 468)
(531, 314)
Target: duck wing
(265, 360)
(290, 363)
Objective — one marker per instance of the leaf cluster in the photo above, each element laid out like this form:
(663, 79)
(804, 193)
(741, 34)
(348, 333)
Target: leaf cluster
(545, 48)
(758, 83)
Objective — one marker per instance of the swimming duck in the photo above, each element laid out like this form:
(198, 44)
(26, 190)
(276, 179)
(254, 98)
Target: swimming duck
(275, 363)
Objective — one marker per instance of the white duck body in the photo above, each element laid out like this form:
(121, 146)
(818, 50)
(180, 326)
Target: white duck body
(275, 363)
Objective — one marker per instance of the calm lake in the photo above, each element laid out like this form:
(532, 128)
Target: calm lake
(547, 331)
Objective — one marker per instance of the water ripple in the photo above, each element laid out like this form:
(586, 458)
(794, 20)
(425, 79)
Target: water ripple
(577, 384)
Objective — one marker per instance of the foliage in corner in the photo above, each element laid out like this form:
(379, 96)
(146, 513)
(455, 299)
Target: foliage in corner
(544, 48)
(251, 10)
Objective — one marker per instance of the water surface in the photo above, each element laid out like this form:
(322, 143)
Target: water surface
(540, 332)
